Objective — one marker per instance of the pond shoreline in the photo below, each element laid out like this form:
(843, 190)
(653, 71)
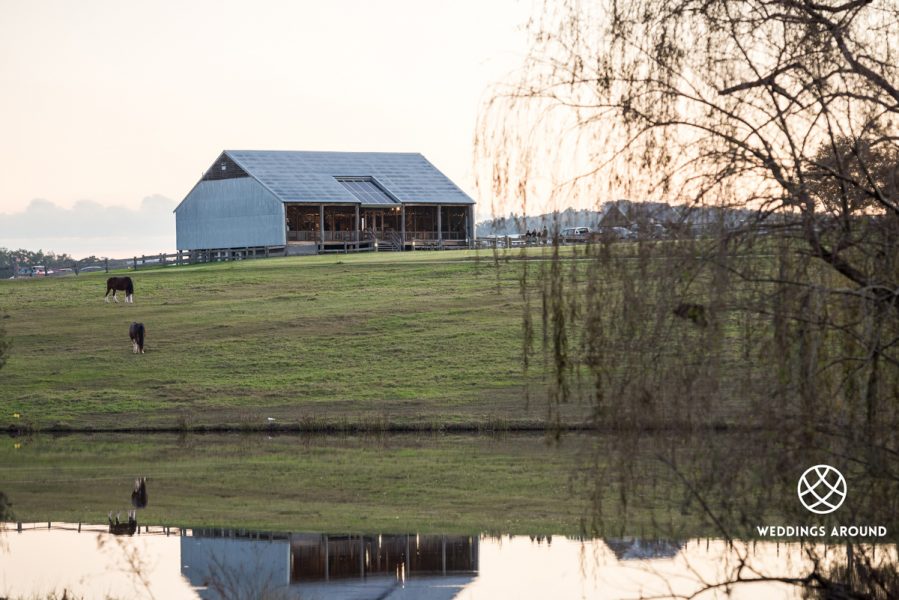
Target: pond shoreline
(369, 427)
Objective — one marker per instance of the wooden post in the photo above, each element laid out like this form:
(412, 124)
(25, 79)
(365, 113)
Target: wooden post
(403, 226)
(321, 227)
(408, 558)
(135, 264)
(356, 236)
(327, 567)
(266, 251)
(439, 226)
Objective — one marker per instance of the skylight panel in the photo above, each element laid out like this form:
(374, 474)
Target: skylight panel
(366, 190)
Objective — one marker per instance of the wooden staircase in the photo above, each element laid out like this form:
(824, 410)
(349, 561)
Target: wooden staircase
(391, 241)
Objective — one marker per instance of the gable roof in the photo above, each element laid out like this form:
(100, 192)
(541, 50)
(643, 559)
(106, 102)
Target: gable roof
(298, 176)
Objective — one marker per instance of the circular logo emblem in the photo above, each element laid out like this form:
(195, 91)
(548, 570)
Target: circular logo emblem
(822, 489)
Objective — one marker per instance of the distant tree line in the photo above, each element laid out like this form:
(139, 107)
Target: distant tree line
(9, 259)
(622, 213)
(514, 224)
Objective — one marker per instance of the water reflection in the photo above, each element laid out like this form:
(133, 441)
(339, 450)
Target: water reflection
(638, 549)
(317, 565)
(234, 564)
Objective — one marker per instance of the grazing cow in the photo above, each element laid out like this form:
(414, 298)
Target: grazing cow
(139, 494)
(136, 332)
(120, 284)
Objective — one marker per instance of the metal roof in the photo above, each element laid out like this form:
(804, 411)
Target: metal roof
(295, 176)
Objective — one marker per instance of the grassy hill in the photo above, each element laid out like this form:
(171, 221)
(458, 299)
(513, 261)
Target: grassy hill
(374, 341)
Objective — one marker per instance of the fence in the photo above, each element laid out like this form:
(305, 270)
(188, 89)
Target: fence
(189, 257)
(419, 240)
(144, 261)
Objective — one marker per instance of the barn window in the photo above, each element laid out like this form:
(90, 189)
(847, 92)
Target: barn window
(224, 166)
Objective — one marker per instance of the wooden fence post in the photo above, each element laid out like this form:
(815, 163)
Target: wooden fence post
(135, 263)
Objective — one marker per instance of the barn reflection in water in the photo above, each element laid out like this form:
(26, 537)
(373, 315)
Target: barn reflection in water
(334, 566)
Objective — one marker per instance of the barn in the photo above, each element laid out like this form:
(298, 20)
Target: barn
(321, 201)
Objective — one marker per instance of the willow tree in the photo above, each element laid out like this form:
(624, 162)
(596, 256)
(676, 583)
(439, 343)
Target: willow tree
(773, 120)
(784, 108)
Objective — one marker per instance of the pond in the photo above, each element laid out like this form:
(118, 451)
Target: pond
(182, 563)
(423, 516)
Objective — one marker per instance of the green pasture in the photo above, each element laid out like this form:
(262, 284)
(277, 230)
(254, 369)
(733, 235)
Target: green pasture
(342, 340)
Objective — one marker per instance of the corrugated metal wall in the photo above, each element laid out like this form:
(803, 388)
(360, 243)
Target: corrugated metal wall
(229, 213)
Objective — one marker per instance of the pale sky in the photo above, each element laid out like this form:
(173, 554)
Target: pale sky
(111, 106)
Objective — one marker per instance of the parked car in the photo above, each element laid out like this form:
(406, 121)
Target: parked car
(38, 271)
(575, 234)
